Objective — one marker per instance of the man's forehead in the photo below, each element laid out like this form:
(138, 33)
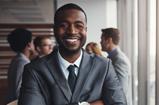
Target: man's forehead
(75, 13)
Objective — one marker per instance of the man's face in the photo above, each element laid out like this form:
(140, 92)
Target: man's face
(70, 30)
(105, 43)
(32, 51)
(46, 46)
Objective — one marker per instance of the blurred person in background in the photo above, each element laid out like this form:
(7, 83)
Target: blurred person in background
(43, 45)
(110, 43)
(20, 41)
(93, 47)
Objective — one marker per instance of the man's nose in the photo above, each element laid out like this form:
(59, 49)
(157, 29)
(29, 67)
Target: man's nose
(71, 29)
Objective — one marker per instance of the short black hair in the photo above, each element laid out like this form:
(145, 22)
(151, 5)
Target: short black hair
(112, 33)
(67, 7)
(19, 38)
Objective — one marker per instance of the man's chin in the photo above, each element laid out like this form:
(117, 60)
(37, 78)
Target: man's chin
(71, 50)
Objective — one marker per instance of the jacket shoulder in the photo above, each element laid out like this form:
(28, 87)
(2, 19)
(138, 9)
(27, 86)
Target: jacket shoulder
(38, 63)
(100, 59)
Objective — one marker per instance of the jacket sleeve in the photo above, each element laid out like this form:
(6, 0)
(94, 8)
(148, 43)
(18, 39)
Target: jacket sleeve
(30, 93)
(112, 91)
(18, 75)
(122, 69)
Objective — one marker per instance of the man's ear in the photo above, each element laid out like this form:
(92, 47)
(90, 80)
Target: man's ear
(86, 29)
(29, 45)
(109, 40)
(54, 27)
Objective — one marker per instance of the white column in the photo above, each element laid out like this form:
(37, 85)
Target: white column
(157, 55)
(142, 52)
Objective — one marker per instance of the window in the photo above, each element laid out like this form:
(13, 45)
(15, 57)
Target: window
(152, 51)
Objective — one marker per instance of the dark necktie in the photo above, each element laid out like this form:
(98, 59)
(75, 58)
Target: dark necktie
(72, 77)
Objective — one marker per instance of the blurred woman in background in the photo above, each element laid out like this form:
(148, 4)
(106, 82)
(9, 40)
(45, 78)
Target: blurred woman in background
(93, 47)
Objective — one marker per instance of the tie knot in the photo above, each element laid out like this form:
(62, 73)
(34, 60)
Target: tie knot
(71, 68)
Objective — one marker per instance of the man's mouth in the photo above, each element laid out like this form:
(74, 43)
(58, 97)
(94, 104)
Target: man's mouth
(71, 39)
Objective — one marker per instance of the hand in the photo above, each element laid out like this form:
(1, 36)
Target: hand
(98, 102)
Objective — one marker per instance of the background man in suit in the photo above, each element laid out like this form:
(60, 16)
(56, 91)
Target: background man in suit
(70, 76)
(109, 42)
(20, 41)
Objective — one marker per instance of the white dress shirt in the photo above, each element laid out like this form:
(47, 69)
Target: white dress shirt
(64, 64)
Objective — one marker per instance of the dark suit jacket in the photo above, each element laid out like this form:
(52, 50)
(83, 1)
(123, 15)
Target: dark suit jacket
(45, 84)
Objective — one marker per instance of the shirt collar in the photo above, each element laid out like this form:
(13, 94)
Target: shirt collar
(27, 59)
(111, 53)
(64, 63)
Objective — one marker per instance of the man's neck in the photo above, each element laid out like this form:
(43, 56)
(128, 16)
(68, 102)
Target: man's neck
(70, 57)
(26, 53)
(112, 48)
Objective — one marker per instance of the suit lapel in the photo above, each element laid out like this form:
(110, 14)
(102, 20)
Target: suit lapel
(56, 71)
(84, 69)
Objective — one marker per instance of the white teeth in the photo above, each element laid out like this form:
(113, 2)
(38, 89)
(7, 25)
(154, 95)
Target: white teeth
(71, 40)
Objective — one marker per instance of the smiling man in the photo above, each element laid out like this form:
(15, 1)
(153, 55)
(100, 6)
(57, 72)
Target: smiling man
(70, 76)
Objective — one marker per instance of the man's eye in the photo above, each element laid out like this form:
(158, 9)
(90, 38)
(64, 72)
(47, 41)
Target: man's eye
(63, 25)
(79, 26)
